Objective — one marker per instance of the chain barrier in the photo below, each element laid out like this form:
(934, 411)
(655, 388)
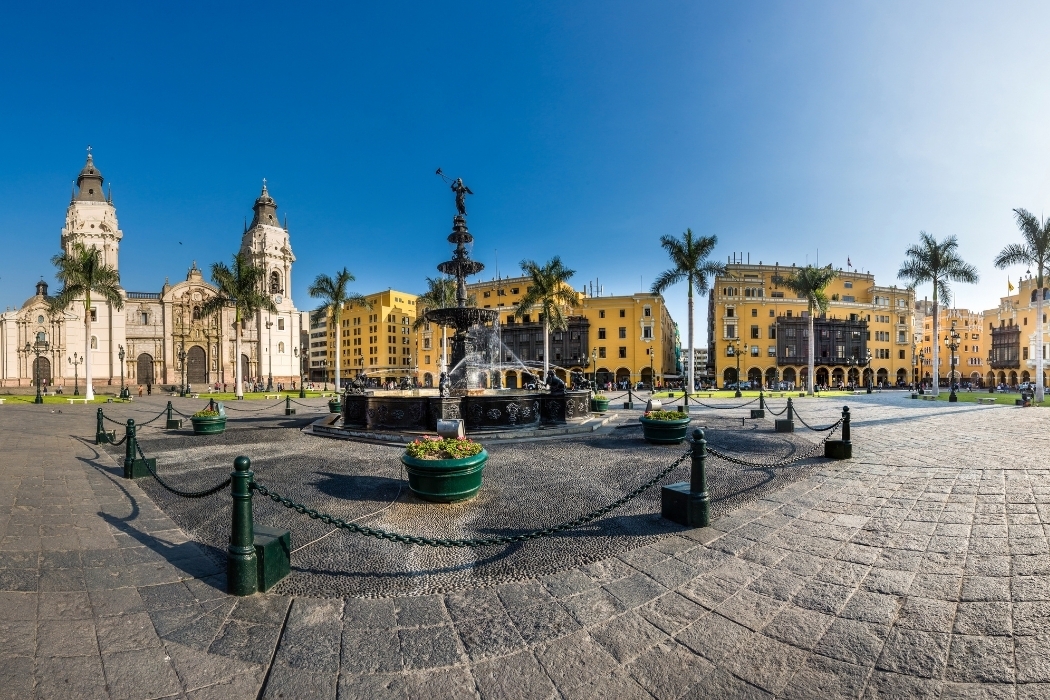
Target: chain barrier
(306, 405)
(140, 425)
(253, 410)
(177, 492)
(775, 413)
(817, 430)
(817, 449)
(480, 542)
(121, 441)
(724, 408)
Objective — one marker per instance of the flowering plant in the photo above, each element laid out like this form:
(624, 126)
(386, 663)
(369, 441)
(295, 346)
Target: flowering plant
(206, 413)
(666, 415)
(600, 397)
(429, 447)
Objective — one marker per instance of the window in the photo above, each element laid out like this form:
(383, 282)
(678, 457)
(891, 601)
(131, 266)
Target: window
(514, 290)
(280, 324)
(789, 351)
(196, 313)
(647, 312)
(601, 334)
(848, 285)
(754, 312)
(601, 312)
(730, 312)
(848, 298)
(426, 359)
(94, 341)
(144, 318)
(789, 313)
(623, 352)
(487, 294)
(623, 331)
(754, 332)
(777, 295)
(1025, 350)
(280, 347)
(730, 351)
(730, 331)
(754, 351)
(900, 354)
(601, 351)
(647, 333)
(623, 313)
(94, 315)
(772, 351)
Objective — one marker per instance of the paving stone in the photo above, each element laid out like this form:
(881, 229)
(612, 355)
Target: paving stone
(821, 677)
(627, 636)
(62, 677)
(126, 633)
(765, 662)
(749, 609)
(634, 590)
(669, 669)
(713, 637)
(575, 660)
(421, 611)
(311, 637)
(827, 598)
(138, 673)
(489, 636)
(927, 614)
(798, 627)
(1031, 617)
(854, 642)
(246, 642)
(593, 606)
(517, 676)
(914, 653)
(369, 651)
(430, 647)
(722, 684)
(366, 613)
(16, 677)
(289, 683)
(373, 687)
(671, 612)
(542, 622)
(1032, 654)
(116, 601)
(974, 659)
(983, 618)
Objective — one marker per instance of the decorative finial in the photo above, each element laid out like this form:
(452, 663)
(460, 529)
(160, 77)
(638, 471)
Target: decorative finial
(89, 152)
(264, 186)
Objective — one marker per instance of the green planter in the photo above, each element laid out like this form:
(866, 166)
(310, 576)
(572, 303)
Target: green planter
(445, 480)
(335, 406)
(209, 426)
(665, 432)
(599, 405)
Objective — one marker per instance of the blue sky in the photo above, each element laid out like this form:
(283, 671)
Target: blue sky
(586, 130)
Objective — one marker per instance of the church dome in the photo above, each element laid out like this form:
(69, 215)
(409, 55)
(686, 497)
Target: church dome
(89, 183)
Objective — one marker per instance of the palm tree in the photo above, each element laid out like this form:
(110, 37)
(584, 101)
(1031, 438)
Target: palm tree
(937, 263)
(549, 290)
(689, 255)
(82, 272)
(1034, 252)
(440, 294)
(239, 287)
(809, 283)
(334, 296)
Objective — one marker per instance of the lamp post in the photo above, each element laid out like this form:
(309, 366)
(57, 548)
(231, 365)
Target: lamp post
(38, 348)
(76, 361)
(181, 354)
(652, 371)
(302, 374)
(736, 351)
(922, 361)
(594, 368)
(324, 370)
(125, 393)
(952, 341)
(867, 369)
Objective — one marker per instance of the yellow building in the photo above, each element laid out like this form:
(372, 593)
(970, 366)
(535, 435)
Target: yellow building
(1012, 330)
(620, 338)
(762, 328)
(971, 356)
(378, 342)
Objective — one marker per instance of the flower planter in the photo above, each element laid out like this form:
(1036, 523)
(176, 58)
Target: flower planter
(665, 432)
(209, 426)
(599, 405)
(445, 480)
(335, 406)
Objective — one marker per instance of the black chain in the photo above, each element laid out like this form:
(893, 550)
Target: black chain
(121, 441)
(723, 408)
(114, 422)
(480, 542)
(177, 492)
(253, 410)
(797, 458)
(138, 425)
(306, 405)
(775, 413)
(818, 430)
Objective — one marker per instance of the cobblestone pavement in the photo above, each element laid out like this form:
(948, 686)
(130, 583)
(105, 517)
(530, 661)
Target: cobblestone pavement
(919, 569)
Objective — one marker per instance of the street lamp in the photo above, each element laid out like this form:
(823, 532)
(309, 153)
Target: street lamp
(918, 378)
(302, 374)
(269, 355)
(38, 348)
(125, 393)
(952, 341)
(76, 361)
(181, 354)
(594, 368)
(867, 370)
(324, 370)
(736, 351)
(652, 372)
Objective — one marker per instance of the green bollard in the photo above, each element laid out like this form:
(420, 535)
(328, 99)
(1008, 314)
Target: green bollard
(689, 503)
(134, 468)
(173, 423)
(840, 449)
(759, 412)
(630, 397)
(288, 410)
(787, 424)
(100, 429)
(302, 390)
(242, 574)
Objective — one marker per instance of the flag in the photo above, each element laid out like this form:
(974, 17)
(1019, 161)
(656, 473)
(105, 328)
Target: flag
(848, 263)
(1009, 284)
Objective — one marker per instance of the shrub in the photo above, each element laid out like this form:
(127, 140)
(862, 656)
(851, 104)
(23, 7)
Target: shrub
(600, 397)
(666, 415)
(442, 448)
(206, 413)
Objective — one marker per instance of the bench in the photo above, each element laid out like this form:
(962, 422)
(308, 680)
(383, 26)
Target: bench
(271, 396)
(928, 397)
(72, 401)
(986, 402)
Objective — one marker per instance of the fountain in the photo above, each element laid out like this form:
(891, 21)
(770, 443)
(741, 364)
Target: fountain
(469, 388)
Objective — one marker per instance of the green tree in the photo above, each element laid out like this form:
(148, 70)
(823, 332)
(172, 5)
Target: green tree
(549, 290)
(1034, 251)
(239, 287)
(334, 297)
(809, 283)
(937, 263)
(689, 256)
(440, 294)
(83, 272)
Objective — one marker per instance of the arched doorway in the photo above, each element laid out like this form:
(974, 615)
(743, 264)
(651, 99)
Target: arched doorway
(1013, 378)
(1025, 377)
(771, 378)
(144, 369)
(838, 376)
(602, 377)
(975, 379)
(868, 374)
(623, 375)
(41, 372)
(511, 381)
(527, 379)
(428, 379)
(902, 377)
(196, 366)
(882, 377)
(647, 376)
(803, 377)
(1002, 377)
(729, 376)
(822, 376)
(990, 379)
(560, 374)
(246, 369)
(853, 376)
(789, 375)
(754, 376)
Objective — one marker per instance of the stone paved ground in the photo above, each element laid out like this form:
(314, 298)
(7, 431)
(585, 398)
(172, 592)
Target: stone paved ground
(920, 569)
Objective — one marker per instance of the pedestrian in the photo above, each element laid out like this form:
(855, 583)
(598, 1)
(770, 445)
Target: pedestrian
(149, 389)
(140, 390)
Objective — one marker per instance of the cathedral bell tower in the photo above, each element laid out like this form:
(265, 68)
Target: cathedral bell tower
(91, 218)
(267, 245)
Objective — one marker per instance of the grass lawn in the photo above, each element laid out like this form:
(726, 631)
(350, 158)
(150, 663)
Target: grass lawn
(743, 394)
(972, 396)
(63, 399)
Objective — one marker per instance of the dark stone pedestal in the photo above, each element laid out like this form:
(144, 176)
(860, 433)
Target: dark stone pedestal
(838, 449)
(570, 406)
(785, 426)
(678, 505)
(758, 413)
(173, 424)
(354, 407)
(273, 552)
(138, 469)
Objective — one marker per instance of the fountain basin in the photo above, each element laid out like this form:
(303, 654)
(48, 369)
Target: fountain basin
(504, 410)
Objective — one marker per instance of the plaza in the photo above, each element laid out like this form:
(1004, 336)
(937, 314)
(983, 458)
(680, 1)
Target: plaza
(918, 568)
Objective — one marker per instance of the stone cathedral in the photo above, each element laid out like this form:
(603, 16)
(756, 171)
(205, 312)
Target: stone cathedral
(164, 334)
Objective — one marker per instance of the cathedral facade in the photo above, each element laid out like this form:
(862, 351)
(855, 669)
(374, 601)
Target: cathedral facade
(165, 338)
